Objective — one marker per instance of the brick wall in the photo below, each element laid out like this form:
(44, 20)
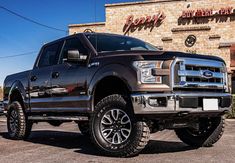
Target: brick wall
(97, 27)
(214, 34)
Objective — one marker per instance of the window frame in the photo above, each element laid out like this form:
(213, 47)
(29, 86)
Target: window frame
(85, 42)
(60, 61)
(61, 42)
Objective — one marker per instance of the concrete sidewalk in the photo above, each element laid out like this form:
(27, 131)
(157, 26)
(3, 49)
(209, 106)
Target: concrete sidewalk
(3, 118)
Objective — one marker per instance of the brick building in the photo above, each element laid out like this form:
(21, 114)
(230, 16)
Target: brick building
(194, 26)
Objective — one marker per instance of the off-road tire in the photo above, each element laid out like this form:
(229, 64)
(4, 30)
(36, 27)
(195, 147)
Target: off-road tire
(23, 126)
(84, 128)
(139, 133)
(208, 138)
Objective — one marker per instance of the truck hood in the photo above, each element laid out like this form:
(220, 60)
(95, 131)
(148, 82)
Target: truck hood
(152, 55)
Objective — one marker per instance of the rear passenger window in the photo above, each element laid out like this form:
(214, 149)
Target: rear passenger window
(50, 55)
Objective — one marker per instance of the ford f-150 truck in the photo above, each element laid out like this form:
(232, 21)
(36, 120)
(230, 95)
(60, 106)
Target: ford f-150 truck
(118, 90)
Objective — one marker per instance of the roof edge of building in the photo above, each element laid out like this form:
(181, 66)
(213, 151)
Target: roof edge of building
(140, 2)
(86, 24)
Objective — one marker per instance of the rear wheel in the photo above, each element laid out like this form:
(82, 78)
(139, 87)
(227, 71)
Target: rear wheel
(209, 132)
(114, 129)
(19, 127)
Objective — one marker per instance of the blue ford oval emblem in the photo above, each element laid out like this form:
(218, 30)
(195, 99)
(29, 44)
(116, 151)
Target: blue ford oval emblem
(207, 74)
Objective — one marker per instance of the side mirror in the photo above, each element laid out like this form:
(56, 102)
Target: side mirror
(75, 56)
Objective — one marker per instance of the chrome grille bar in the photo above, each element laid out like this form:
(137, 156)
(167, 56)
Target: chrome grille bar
(203, 63)
(198, 73)
(201, 85)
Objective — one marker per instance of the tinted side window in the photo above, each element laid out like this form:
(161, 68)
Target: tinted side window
(50, 55)
(74, 44)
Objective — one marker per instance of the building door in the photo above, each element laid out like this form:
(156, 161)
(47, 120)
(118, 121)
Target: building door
(232, 51)
(232, 65)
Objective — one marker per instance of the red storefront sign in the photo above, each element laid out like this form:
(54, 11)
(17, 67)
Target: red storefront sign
(207, 12)
(153, 20)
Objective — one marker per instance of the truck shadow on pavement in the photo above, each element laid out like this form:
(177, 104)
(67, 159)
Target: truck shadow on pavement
(82, 144)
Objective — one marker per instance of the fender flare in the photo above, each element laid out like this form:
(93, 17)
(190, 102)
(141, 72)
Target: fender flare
(17, 86)
(124, 73)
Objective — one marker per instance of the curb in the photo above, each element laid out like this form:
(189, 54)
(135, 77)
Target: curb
(230, 120)
(2, 118)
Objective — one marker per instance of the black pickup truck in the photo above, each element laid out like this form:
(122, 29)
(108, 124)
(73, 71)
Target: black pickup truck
(118, 90)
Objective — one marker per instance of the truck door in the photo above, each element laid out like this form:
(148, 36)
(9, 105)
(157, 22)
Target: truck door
(69, 86)
(40, 83)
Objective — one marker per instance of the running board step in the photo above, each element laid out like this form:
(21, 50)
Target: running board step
(62, 118)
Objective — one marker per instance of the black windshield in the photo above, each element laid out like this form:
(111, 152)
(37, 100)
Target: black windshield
(109, 43)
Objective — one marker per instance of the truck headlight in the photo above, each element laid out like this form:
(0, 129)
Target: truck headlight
(144, 71)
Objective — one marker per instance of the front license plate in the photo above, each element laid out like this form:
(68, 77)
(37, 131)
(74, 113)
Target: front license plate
(210, 104)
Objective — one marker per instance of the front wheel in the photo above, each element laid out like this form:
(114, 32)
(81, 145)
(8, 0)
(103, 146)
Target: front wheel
(209, 132)
(114, 129)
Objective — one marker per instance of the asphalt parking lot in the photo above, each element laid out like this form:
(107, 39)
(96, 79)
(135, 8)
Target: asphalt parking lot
(66, 144)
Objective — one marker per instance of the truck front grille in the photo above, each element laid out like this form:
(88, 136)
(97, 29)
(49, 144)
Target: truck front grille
(199, 73)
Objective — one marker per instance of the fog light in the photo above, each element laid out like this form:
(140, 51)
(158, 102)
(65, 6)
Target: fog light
(158, 101)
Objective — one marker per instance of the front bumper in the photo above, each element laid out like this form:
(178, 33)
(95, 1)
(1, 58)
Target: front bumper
(155, 104)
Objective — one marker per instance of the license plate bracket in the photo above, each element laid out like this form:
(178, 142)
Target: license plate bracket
(210, 104)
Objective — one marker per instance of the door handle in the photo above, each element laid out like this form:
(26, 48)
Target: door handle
(55, 75)
(33, 78)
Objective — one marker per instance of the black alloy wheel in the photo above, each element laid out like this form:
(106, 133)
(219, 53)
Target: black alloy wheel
(115, 130)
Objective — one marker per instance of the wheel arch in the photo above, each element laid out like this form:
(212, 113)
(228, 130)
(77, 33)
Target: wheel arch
(117, 74)
(17, 93)
(108, 85)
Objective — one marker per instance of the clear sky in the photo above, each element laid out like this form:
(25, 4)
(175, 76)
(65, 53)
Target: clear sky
(18, 36)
